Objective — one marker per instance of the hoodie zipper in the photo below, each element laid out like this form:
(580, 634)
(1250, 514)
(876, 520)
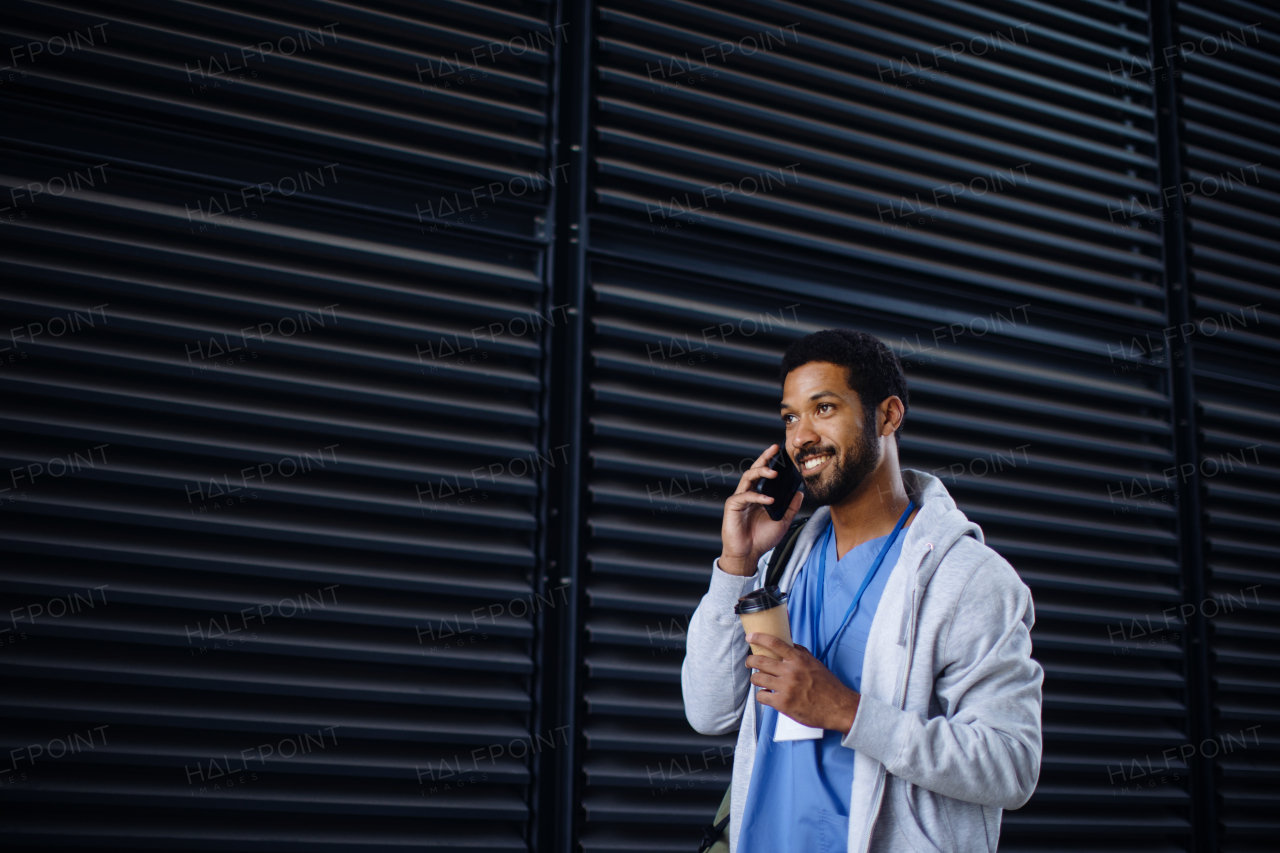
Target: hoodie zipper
(900, 694)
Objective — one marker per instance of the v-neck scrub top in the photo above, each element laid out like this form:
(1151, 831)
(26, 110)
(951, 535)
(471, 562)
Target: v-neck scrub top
(798, 799)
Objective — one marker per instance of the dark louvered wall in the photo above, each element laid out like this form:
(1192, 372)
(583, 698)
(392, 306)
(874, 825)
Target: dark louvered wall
(1230, 87)
(273, 408)
(1031, 403)
(977, 183)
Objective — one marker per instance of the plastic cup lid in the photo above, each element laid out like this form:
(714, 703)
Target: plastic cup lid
(761, 599)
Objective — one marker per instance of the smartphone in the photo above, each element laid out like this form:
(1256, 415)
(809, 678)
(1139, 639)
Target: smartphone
(783, 487)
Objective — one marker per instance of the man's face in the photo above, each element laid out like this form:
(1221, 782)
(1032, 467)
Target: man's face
(831, 441)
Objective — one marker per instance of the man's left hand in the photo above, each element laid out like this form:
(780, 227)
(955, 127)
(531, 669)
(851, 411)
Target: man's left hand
(802, 688)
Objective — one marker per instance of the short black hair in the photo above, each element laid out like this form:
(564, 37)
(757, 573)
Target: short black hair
(873, 369)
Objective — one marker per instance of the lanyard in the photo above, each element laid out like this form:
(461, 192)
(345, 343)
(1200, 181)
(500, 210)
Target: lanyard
(821, 594)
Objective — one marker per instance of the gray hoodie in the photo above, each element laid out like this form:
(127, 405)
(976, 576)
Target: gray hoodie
(947, 731)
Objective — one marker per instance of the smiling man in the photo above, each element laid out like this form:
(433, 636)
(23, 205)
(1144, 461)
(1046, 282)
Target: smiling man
(907, 714)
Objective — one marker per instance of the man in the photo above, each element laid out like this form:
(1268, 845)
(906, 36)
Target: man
(906, 715)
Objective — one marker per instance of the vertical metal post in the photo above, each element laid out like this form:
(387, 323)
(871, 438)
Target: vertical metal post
(566, 372)
(549, 712)
(1165, 64)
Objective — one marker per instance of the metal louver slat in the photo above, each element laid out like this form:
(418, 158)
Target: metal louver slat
(1230, 89)
(273, 442)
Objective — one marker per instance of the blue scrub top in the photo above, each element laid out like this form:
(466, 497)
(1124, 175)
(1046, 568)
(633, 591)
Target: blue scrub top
(798, 799)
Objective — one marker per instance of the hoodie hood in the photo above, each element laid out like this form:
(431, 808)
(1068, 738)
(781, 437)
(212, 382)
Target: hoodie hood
(938, 525)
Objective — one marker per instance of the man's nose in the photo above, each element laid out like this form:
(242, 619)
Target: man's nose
(803, 435)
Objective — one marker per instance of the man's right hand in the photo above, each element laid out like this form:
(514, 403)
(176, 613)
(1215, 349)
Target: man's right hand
(747, 531)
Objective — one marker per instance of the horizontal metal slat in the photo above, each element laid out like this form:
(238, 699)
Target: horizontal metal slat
(214, 832)
(212, 444)
(371, 536)
(251, 558)
(52, 657)
(135, 395)
(114, 788)
(195, 710)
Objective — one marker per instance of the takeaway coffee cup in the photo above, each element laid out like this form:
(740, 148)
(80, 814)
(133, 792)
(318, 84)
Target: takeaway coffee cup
(764, 610)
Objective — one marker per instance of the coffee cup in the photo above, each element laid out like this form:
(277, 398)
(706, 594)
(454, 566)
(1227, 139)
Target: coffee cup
(765, 611)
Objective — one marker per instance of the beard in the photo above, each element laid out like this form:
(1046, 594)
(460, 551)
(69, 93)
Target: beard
(848, 470)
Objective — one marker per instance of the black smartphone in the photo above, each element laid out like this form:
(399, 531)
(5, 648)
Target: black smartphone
(783, 487)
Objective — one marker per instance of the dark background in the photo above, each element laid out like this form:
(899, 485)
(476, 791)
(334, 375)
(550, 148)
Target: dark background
(367, 406)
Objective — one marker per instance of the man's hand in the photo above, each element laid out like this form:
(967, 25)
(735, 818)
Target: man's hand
(747, 531)
(803, 689)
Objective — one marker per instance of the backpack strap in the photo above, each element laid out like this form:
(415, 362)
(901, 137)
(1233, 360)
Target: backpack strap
(714, 838)
(782, 553)
(713, 834)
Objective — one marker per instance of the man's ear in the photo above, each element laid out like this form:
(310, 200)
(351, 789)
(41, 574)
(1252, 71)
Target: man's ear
(892, 411)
